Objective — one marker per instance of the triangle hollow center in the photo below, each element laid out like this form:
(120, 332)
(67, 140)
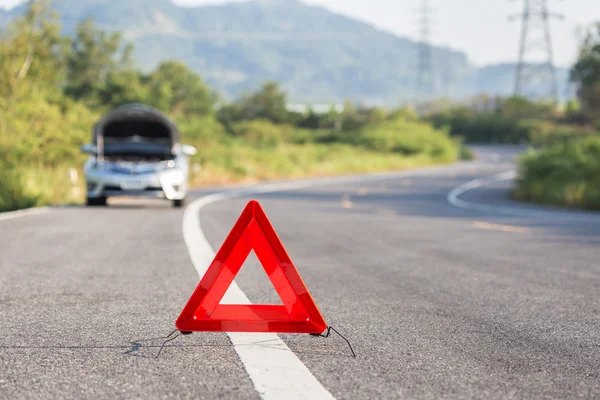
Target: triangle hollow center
(253, 275)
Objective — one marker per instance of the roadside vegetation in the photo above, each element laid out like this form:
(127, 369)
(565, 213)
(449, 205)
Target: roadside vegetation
(568, 172)
(566, 175)
(53, 88)
(515, 121)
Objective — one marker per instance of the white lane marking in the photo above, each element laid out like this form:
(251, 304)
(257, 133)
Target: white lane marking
(23, 213)
(275, 371)
(454, 194)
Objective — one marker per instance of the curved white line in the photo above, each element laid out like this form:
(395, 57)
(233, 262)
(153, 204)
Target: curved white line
(454, 194)
(453, 198)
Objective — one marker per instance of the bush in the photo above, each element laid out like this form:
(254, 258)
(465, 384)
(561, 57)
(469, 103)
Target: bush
(566, 175)
(487, 127)
(41, 134)
(481, 127)
(546, 133)
(13, 195)
(263, 133)
(408, 138)
(41, 143)
(200, 130)
(466, 153)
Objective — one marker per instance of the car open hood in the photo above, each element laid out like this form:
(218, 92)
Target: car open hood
(135, 129)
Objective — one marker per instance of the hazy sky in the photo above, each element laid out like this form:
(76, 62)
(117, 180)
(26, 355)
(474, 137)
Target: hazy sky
(478, 27)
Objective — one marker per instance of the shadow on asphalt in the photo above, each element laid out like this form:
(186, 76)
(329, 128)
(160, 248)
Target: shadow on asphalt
(138, 349)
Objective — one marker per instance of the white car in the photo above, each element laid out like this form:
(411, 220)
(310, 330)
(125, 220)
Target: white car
(135, 151)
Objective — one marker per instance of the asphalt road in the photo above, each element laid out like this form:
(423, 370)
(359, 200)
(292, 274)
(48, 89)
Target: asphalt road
(438, 301)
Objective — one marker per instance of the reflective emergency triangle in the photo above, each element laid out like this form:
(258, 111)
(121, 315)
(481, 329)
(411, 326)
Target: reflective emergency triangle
(298, 314)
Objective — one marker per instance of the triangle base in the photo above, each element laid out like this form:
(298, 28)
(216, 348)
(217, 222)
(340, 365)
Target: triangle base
(249, 318)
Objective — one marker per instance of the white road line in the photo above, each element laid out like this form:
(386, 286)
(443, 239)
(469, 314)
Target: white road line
(23, 213)
(453, 195)
(453, 198)
(275, 371)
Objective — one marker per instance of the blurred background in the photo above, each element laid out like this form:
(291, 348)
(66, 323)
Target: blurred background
(269, 89)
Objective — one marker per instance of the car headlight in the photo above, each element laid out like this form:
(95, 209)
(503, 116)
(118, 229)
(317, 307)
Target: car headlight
(97, 165)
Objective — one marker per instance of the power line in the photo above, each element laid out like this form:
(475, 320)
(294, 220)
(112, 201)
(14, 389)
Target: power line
(535, 78)
(425, 77)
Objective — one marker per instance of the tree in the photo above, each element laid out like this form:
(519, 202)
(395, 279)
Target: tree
(177, 90)
(354, 119)
(122, 87)
(270, 103)
(586, 73)
(94, 58)
(518, 107)
(32, 54)
(311, 120)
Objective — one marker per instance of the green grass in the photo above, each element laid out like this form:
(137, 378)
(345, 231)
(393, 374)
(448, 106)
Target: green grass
(259, 150)
(32, 187)
(566, 175)
(13, 194)
(243, 163)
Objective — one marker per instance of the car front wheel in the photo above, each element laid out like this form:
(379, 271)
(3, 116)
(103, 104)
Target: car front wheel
(178, 203)
(96, 201)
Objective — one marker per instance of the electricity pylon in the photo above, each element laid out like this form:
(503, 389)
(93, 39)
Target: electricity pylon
(425, 77)
(536, 41)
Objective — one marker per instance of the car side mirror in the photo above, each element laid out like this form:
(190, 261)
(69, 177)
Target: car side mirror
(88, 148)
(188, 150)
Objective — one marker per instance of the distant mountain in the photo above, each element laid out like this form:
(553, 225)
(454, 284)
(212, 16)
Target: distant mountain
(317, 55)
(4, 16)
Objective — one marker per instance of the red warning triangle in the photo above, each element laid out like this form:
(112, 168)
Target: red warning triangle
(252, 231)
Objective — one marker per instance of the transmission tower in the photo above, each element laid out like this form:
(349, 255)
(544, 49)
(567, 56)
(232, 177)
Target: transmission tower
(425, 78)
(536, 42)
